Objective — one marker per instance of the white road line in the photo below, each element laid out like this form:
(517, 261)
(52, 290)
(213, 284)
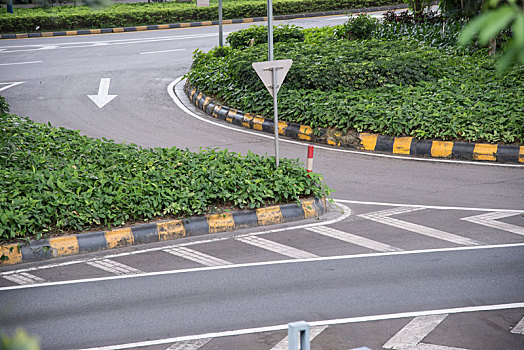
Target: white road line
(114, 267)
(10, 85)
(313, 333)
(519, 328)
(275, 247)
(353, 239)
(17, 63)
(268, 263)
(181, 105)
(196, 256)
(162, 51)
(490, 220)
(382, 217)
(313, 324)
(414, 332)
(24, 278)
(189, 344)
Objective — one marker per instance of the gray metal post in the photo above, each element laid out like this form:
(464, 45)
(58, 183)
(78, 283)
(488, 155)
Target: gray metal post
(10, 6)
(270, 29)
(275, 114)
(292, 334)
(220, 29)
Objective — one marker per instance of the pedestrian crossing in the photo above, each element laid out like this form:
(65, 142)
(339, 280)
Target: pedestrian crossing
(361, 232)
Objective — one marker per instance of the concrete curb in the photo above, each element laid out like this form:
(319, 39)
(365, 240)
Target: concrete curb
(195, 24)
(162, 231)
(364, 141)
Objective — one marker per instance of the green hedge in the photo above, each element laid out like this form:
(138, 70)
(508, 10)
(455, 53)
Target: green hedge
(394, 87)
(53, 179)
(123, 15)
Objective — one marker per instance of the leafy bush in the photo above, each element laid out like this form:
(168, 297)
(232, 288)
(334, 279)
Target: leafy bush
(359, 27)
(4, 106)
(54, 179)
(255, 35)
(135, 14)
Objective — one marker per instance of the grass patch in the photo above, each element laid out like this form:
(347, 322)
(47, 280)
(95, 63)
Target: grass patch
(54, 179)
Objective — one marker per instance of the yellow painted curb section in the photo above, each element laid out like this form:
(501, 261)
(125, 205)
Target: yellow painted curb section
(13, 254)
(207, 101)
(95, 31)
(441, 149)
(163, 26)
(257, 123)
(207, 23)
(141, 28)
(47, 34)
(282, 126)
(402, 145)
(229, 119)
(521, 154)
(309, 208)
(119, 238)
(305, 132)
(248, 20)
(227, 21)
(170, 230)
(71, 32)
(369, 141)
(185, 25)
(193, 92)
(221, 222)
(269, 215)
(22, 36)
(247, 119)
(118, 30)
(485, 151)
(62, 246)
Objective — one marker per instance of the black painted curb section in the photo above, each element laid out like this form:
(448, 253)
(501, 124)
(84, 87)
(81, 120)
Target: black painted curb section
(364, 141)
(160, 231)
(197, 24)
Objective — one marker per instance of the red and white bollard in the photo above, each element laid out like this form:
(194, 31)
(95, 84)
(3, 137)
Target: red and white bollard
(309, 166)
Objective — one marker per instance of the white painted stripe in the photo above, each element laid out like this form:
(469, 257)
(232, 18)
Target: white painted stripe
(414, 332)
(189, 344)
(181, 105)
(162, 51)
(275, 247)
(519, 328)
(314, 324)
(18, 63)
(114, 267)
(10, 85)
(346, 212)
(383, 218)
(353, 239)
(24, 278)
(313, 333)
(517, 211)
(269, 263)
(196, 256)
(489, 220)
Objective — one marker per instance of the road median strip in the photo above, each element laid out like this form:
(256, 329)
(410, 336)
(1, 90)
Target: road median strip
(364, 141)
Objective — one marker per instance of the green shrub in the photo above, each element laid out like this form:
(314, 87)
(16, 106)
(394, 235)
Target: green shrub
(359, 27)
(4, 106)
(53, 179)
(255, 35)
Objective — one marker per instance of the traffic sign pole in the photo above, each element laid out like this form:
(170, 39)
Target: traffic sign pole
(270, 30)
(275, 114)
(220, 29)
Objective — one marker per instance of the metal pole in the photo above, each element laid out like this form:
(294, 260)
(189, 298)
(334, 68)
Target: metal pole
(270, 29)
(10, 6)
(275, 113)
(220, 29)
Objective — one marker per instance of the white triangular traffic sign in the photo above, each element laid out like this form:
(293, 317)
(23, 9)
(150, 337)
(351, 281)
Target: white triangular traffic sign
(265, 72)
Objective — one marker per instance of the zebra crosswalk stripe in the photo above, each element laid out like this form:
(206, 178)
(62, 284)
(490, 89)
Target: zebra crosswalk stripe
(196, 256)
(276, 247)
(353, 239)
(114, 267)
(24, 278)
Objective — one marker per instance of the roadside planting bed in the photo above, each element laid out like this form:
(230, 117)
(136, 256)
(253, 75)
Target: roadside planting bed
(396, 79)
(54, 180)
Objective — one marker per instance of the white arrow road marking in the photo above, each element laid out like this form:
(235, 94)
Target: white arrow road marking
(313, 332)
(193, 255)
(114, 267)
(189, 344)
(9, 85)
(489, 219)
(414, 332)
(24, 278)
(103, 97)
(353, 239)
(383, 217)
(276, 247)
(519, 328)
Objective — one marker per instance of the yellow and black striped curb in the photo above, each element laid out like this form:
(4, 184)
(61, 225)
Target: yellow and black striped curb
(158, 232)
(195, 24)
(364, 141)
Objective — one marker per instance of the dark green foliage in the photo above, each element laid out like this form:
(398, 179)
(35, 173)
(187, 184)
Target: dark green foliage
(255, 35)
(357, 28)
(124, 15)
(4, 106)
(54, 179)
